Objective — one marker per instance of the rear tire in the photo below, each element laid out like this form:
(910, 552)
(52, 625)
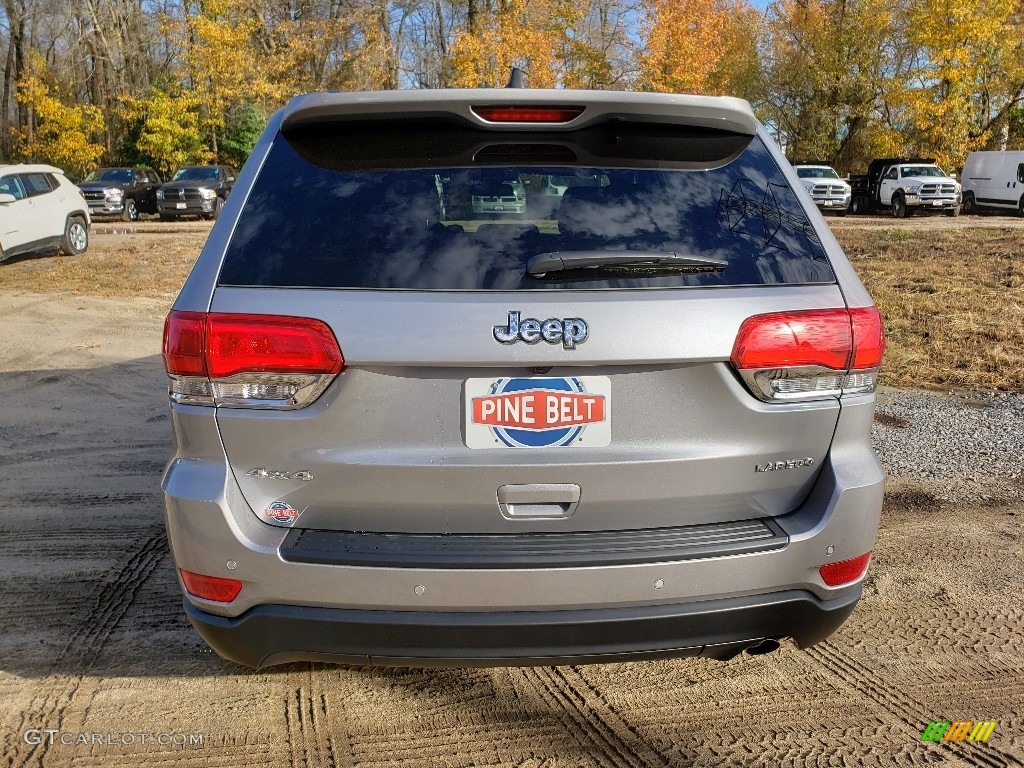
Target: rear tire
(970, 205)
(858, 205)
(76, 237)
(899, 206)
(131, 211)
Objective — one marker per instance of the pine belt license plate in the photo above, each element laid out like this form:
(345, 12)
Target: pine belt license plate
(538, 412)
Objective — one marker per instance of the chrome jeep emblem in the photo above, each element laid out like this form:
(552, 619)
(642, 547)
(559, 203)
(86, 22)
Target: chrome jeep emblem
(570, 331)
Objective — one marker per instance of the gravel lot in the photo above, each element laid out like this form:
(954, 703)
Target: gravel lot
(969, 444)
(95, 641)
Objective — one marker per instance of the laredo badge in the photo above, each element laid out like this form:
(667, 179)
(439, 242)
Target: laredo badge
(282, 512)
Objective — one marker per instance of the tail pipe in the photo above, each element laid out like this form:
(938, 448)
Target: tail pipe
(767, 645)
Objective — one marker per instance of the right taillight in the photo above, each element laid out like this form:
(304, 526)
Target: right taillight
(810, 354)
(252, 361)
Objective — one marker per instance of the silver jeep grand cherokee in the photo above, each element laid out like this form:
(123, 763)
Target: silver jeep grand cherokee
(632, 422)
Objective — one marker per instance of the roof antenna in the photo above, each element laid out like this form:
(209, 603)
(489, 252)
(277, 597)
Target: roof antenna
(516, 79)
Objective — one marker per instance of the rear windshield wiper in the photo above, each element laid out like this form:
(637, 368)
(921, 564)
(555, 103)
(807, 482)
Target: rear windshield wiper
(667, 261)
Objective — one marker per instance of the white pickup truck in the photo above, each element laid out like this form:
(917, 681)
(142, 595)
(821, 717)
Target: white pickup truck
(827, 190)
(906, 185)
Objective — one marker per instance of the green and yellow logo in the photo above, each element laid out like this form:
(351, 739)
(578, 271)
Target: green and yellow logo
(959, 730)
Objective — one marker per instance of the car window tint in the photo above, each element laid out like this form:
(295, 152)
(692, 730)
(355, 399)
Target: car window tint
(11, 185)
(461, 209)
(37, 183)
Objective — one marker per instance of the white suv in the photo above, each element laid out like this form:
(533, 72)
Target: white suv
(40, 208)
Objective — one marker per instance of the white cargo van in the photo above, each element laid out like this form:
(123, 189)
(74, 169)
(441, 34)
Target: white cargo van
(994, 180)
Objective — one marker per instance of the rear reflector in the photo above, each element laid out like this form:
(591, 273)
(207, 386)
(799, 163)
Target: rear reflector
(214, 588)
(240, 360)
(810, 354)
(500, 113)
(868, 338)
(184, 342)
(845, 571)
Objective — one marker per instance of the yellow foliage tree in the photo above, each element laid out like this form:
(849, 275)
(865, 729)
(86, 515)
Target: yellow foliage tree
(831, 64)
(168, 128)
(684, 42)
(971, 73)
(58, 132)
(531, 34)
(224, 61)
(348, 48)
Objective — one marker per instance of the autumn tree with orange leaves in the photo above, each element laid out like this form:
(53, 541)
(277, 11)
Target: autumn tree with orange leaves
(524, 33)
(844, 80)
(684, 44)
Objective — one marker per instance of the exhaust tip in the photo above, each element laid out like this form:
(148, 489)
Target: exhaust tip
(765, 646)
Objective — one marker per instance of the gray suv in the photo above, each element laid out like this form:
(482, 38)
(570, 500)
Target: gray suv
(633, 424)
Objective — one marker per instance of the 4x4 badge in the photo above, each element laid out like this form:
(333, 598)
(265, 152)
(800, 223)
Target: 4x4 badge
(570, 331)
(276, 474)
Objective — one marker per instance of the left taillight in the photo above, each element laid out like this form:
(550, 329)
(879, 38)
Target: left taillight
(248, 361)
(810, 354)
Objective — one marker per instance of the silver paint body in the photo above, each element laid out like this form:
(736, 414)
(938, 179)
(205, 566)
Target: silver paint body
(384, 444)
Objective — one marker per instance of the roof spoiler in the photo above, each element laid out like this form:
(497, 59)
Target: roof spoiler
(713, 112)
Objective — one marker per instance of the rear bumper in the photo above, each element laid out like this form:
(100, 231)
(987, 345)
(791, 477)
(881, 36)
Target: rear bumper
(279, 634)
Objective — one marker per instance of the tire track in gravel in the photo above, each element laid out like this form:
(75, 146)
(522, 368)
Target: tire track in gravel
(901, 706)
(311, 739)
(87, 449)
(590, 718)
(111, 600)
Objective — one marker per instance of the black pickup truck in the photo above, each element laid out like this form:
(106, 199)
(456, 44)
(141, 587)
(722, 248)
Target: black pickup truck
(121, 193)
(196, 190)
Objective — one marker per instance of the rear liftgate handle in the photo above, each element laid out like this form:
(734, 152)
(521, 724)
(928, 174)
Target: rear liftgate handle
(551, 500)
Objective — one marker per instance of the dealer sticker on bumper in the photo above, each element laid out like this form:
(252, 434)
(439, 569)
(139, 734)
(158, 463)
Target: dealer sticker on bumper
(541, 412)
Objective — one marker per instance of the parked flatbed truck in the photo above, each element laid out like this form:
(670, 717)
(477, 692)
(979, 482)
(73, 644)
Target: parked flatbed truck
(904, 185)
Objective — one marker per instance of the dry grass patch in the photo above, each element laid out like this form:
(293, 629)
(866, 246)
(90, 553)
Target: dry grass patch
(953, 302)
(151, 264)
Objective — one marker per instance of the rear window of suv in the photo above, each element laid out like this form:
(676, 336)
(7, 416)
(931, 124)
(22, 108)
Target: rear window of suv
(438, 206)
